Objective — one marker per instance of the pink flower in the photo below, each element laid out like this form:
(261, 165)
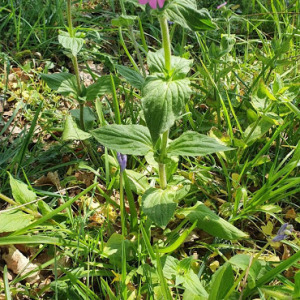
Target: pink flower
(153, 3)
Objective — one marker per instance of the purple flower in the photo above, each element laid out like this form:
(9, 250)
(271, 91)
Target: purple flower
(284, 231)
(221, 5)
(153, 3)
(122, 159)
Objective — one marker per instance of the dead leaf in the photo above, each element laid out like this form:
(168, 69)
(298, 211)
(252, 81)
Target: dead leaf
(103, 213)
(86, 177)
(291, 214)
(286, 253)
(20, 264)
(44, 283)
(52, 178)
(290, 273)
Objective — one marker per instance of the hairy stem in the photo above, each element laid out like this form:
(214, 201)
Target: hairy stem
(166, 41)
(69, 17)
(162, 175)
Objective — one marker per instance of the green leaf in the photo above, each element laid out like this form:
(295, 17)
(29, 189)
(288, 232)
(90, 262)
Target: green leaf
(296, 293)
(188, 295)
(277, 84)
(169, 265)
(270, 208)
(272, 118)
(88, 117)
(113, 249)
(243, 261)
(192, 143)
(73, 44)
(179, 66)
(170, 163)
(165, 93)
(21, 193)
(131, 76)
(138, 182)
(124, 21)
(182, 272)
(63, 83)
(72, 132)
(156, 61)
(149, 272)
(256, 130)
(44, 208)
(211, 223)
(126, 139)
(227, 43)
(101, 87)
(163, 103)
(181, 185)
(88, 114)
(186, 14)
(264, 92)
(13, 220)
(159, 205)
(271, 274)
(221, 282)
(191, 282)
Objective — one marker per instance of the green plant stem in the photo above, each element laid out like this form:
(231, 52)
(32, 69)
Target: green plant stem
(166, 41)
(12, 202)
(246, 139)
(167, 51)
(122, 206)
(126, 50)
(78, 81)
(86, 143)
(130, 199)
(69, 17)
(76, 71)
(163, 283)
(132, 37)
(162, 165)
(142, 35)
(137, 50)
(122, 7)
(162, 175)
(90, 151)
(6, 284)
(75, 65)
(81, 116)
(164, 144)
(115, 101)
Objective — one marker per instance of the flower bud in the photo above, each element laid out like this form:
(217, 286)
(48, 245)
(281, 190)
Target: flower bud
(122, 159)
